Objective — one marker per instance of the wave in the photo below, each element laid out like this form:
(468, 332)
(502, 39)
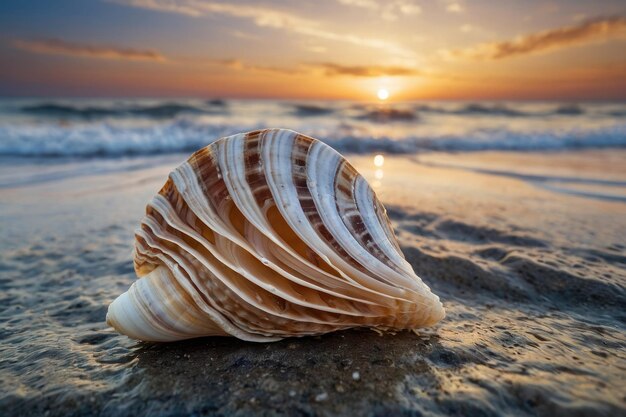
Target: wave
(182, 135)
(61, 110)
(384, 115)
(494, 110)
(157, 111)
(311, 110)
(479, 109)
(218, 102)
(569, 110)
(167, 110)
(164, 110)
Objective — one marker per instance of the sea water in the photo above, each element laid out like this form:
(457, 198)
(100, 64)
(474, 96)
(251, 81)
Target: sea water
(117, 127)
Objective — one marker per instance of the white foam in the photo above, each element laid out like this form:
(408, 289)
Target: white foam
(111, 139)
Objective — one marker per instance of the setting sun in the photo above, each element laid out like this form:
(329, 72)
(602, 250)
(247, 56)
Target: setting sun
(383, 94)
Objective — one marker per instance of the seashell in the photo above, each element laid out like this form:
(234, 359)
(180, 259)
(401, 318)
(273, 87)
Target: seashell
(266, 235)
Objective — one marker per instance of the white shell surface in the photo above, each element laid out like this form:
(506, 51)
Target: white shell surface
(266, 235)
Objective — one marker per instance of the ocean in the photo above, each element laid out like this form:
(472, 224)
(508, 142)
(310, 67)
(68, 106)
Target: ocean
(513, 213)
(108, 128)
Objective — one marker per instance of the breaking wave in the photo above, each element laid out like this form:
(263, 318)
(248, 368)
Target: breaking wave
(157, 111)
(478, 109)
(182, 135)
(311, 110)
(386, 115)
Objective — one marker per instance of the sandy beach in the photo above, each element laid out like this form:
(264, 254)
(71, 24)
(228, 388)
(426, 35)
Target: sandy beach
(525, 249)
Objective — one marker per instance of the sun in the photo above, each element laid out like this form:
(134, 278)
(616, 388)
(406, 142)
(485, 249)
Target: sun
(383, 94)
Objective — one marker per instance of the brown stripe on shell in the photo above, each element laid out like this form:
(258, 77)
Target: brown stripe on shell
(255, 176)
(301, 146)
(351, 214)
(385, 222)
(207, 170)
(257, 181)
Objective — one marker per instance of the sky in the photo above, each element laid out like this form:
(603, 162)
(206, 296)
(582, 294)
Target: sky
(323, 49)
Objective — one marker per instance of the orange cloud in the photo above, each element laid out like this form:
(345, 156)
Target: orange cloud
(328, 69)
(61, 47)
(332, 69)
(599, 29)
(239, 65)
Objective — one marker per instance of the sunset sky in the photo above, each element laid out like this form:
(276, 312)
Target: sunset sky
(325, 49)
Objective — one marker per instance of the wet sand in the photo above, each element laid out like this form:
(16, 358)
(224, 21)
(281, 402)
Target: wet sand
(531, 269)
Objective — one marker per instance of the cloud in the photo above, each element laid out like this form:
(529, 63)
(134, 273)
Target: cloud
(239, 65)
(477, 30)
(189, 8)
(266, 18)
(331, 69)
(599, 29)
(318, 49)
(454, 8)
(328, 69)
(228, 62)
(467, 28)
(62, 47)
(243, 35)
(388, 10)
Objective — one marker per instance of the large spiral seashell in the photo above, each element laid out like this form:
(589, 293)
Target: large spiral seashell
(266, 235)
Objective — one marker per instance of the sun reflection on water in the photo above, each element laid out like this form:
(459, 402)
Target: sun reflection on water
(379, 161)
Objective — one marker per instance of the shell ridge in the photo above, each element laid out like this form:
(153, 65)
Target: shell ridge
(325, 198)
(208, 307)
(241, 271)
(233, 323)
(233, 236)
(159, 286)
(182, 176)
(283, 190)
(365, 197)
(138, 318)
(348, 209)
(330, 285)
(354, 216)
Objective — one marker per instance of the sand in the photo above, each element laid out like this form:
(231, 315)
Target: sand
(527, 251)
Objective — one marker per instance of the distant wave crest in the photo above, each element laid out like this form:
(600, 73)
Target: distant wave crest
(180, 135)
(385, 115)
(373, 113)
(157, 111)
(311, 110)
(478, 109)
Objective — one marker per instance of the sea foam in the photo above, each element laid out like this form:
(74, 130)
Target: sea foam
(109, 139)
